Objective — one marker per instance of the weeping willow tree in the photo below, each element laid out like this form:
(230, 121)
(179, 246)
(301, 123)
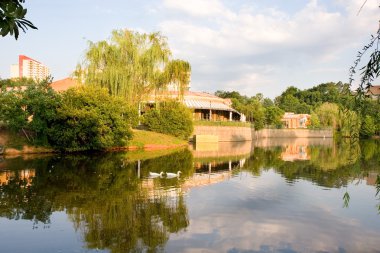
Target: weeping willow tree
(133, 65)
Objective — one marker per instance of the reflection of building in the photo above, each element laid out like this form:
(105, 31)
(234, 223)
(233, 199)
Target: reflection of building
(207, 173)
(292, 120)
(29, 68)
(294, 148)
(27, 175)
(295, 152)
(371, 178)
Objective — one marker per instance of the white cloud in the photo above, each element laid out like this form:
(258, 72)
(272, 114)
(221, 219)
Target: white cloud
(214, 34)
(203, 8)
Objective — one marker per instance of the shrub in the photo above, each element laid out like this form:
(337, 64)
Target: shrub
(171, 118)
(31, 110)
(368, 127)
(349, 125)
(328, 114)
(90, 119)
(314, 121)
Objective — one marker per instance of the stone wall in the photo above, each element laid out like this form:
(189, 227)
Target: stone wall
(226, 133)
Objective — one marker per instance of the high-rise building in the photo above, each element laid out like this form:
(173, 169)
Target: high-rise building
(29, 68)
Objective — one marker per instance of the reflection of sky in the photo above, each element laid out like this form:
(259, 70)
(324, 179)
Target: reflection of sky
(266, 214)
(22, 236)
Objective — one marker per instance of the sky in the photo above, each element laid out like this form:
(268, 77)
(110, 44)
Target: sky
(250, 46)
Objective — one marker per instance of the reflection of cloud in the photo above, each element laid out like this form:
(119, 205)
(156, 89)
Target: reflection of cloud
(241, 219)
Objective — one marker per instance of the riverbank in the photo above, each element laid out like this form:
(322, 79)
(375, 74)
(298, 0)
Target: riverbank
(17, 144)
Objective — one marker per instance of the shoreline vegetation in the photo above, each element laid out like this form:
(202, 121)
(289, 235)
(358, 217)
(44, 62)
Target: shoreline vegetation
(120, 75)
(142, 140)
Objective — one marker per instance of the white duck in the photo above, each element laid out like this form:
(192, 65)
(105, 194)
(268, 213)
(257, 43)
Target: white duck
(171, 175)
(154, 174)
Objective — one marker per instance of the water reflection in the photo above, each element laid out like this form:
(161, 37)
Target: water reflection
(234, 198)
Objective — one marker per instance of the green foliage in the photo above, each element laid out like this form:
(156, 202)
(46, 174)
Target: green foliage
(222, 123)
(303, 101)
(328, 114)
(251, 107)
(15, 84)
(255, 112)
(171, 118)
(32, 110)
(12, 17)
(133, 65)
(289, 103)
(368, 127)
(314, 121)
(90, 119)
(273, 116)
(11, 111)
(349, 125)
(80, 119)
(40, 103)
(370, 71)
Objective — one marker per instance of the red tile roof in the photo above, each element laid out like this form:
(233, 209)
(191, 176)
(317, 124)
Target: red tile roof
(374, 90)
(64, 84)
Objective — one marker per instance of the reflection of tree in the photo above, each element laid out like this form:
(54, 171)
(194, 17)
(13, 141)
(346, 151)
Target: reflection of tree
(129, 221)
(328, 167)
(103, 197)
(347, 161)
(346, 152)
(20, 201)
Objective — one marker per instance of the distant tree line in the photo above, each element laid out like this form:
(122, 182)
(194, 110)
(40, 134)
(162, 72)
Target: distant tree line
(329, 104)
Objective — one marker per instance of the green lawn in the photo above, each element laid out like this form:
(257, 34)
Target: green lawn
(222, 123)
(142, 137)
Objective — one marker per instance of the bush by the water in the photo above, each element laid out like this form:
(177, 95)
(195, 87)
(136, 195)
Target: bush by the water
(90, 119)
(170, 117)
(84, 118)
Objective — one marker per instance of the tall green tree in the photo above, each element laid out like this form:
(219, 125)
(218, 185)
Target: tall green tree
(133, 65)
(328, 114)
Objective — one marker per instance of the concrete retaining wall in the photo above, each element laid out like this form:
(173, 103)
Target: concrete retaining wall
(225, 133)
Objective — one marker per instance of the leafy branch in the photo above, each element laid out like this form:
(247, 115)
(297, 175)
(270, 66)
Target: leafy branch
(12, 18)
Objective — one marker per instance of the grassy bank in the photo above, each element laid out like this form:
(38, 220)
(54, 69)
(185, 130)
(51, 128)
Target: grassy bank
(16, 143)
(222, 123)
(147, 139)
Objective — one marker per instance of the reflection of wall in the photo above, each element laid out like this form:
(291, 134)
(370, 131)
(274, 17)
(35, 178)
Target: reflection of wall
(283, 142)
(203, 179)
(292, 133)
(294, 148)
(225, 133)
(371, 178)
(27, 175)
(221, 149)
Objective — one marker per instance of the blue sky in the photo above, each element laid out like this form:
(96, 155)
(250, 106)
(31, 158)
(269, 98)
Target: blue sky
(250, 46)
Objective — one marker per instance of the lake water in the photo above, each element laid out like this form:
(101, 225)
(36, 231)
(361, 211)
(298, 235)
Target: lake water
(297, 195)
